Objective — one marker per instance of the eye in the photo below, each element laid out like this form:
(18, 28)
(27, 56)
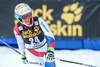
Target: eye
(26, 15)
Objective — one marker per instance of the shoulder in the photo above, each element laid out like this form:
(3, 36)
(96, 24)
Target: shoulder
(40, 18)
(37, 18)
(15, 29)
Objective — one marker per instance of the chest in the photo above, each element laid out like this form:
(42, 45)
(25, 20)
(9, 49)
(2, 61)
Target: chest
(34, 32)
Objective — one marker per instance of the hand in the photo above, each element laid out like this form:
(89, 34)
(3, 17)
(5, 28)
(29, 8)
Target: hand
(49, 56)
(24, 59)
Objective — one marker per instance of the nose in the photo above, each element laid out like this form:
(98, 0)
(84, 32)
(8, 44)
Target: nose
(28, 18)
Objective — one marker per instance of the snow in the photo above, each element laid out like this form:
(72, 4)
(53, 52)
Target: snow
(9, 58)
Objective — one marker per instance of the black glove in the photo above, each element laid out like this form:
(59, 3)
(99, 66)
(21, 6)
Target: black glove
(24, 59)
(49, 56)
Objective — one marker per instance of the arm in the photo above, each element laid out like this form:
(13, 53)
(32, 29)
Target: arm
(19, 39)
(48, 33)
(20, 43)
(49, 56)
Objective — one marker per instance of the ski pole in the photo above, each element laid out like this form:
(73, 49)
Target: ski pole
(10, 47)
(55, 58)
(75, 62)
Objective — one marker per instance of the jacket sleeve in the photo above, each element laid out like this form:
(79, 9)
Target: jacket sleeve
(49, 35)
(19, 39)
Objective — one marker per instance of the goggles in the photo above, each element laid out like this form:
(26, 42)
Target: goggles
(26, 15)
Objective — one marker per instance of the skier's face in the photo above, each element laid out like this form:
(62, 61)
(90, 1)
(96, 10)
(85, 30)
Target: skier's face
(26, 19)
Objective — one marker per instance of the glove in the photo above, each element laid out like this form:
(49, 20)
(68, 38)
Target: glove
(49, 56)
(24, 59)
